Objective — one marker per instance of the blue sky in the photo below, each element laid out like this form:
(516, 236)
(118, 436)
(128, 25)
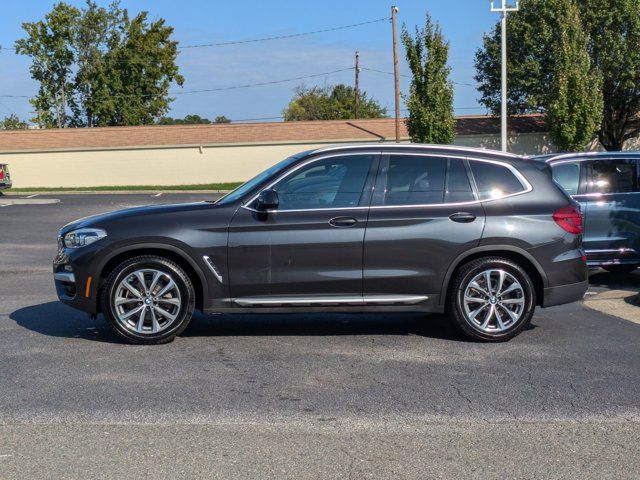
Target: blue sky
(202, 21)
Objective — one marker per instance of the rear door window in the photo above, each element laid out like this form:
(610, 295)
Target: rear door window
(495, 181)
(609, 176)
(415, 180)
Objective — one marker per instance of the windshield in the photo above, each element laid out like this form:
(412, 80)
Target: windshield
(243, 189)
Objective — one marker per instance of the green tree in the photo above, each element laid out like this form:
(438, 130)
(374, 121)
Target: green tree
(330, 103)
(430, 99)
(98, 67)
(48, 43)
(187, 120)
(95, 34)
(13, 122)
(613, 30)
(574, 105)
(221, 119)
(614, 48)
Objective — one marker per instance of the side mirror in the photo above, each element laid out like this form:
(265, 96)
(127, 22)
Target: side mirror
(267, 200)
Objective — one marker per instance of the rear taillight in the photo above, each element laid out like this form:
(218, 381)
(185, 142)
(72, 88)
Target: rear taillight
(569, 219)
(1, 172)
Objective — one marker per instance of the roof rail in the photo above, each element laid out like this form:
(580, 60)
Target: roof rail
(416, 145)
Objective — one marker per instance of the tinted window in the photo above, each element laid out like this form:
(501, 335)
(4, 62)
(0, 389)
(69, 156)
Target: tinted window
(255, 181)
(613, 176)
(415, 180)
(495, 181)
(458, 184)
(335, 182)
(567, 175)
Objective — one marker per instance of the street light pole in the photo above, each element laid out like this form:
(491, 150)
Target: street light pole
(396, 74)
(503, 10)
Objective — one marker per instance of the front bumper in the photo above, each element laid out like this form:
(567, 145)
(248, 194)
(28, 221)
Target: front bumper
(73, 275)
(564, 294)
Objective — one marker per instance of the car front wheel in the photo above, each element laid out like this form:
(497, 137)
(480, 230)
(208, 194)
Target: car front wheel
(492, 299)
(148, 300)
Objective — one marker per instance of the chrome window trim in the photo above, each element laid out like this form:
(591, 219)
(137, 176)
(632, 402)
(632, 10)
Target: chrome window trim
(521, 178)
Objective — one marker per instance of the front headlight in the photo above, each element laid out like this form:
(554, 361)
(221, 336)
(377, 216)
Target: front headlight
(83, 237)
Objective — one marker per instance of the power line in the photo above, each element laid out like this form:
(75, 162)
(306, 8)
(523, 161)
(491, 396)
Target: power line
(255, 40)
(409, 76)
(272, 82)
(217, 89)
(282, 37)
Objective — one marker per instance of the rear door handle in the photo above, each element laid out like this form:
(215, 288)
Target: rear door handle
(463, 217)
(343, 222)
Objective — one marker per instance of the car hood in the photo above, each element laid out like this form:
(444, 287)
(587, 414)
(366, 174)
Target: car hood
(103, 220)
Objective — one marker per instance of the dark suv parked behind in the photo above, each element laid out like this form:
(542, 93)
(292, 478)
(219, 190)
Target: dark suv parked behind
(607, 185)
(481, 235)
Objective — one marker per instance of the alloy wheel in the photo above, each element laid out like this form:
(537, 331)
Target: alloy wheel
(494, 301)
(147, 301)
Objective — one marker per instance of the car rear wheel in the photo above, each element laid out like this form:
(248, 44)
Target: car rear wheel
(492, 299)
(620, 268)
(148, 300)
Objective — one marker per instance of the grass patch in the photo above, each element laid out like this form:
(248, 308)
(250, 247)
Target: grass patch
(141, 188)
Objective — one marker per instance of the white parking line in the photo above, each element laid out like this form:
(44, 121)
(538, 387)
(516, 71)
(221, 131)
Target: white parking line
(5, 205)
(33, 196)
(158, 194)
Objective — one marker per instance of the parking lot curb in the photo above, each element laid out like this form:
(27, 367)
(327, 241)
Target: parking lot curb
(623, 304)
(5, 202)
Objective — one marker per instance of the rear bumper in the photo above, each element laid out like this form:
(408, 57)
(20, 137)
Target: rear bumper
(4, 185)
(564, 294)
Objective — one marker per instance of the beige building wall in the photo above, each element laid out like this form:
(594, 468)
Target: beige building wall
(188, 165)
(161, 166)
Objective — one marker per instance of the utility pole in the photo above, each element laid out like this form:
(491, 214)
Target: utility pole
(394, 27)
(356, 97)
(503, 10)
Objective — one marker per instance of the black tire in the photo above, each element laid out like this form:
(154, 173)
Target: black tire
(183, 312)
(620, 269)
(526, 295)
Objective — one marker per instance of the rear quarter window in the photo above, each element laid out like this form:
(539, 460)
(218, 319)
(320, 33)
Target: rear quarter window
(495, 181)
(567, 175)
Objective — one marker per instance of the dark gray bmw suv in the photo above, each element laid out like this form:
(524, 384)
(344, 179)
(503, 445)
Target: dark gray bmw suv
(481, 235)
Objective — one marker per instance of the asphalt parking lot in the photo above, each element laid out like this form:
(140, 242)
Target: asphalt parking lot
(305, 396)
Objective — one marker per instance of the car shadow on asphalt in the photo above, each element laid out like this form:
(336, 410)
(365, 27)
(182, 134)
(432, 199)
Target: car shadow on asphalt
(58, 320)
(55, 319)
(323, 324)
(615, 281)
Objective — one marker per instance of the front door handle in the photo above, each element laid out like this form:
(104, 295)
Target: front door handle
(343, 222)
(463, 217)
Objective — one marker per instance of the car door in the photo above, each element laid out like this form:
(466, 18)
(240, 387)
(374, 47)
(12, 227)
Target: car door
(424, 213)
(612, 222)
(309, 249)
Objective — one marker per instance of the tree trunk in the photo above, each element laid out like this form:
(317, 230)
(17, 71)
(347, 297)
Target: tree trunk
(62, 119)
